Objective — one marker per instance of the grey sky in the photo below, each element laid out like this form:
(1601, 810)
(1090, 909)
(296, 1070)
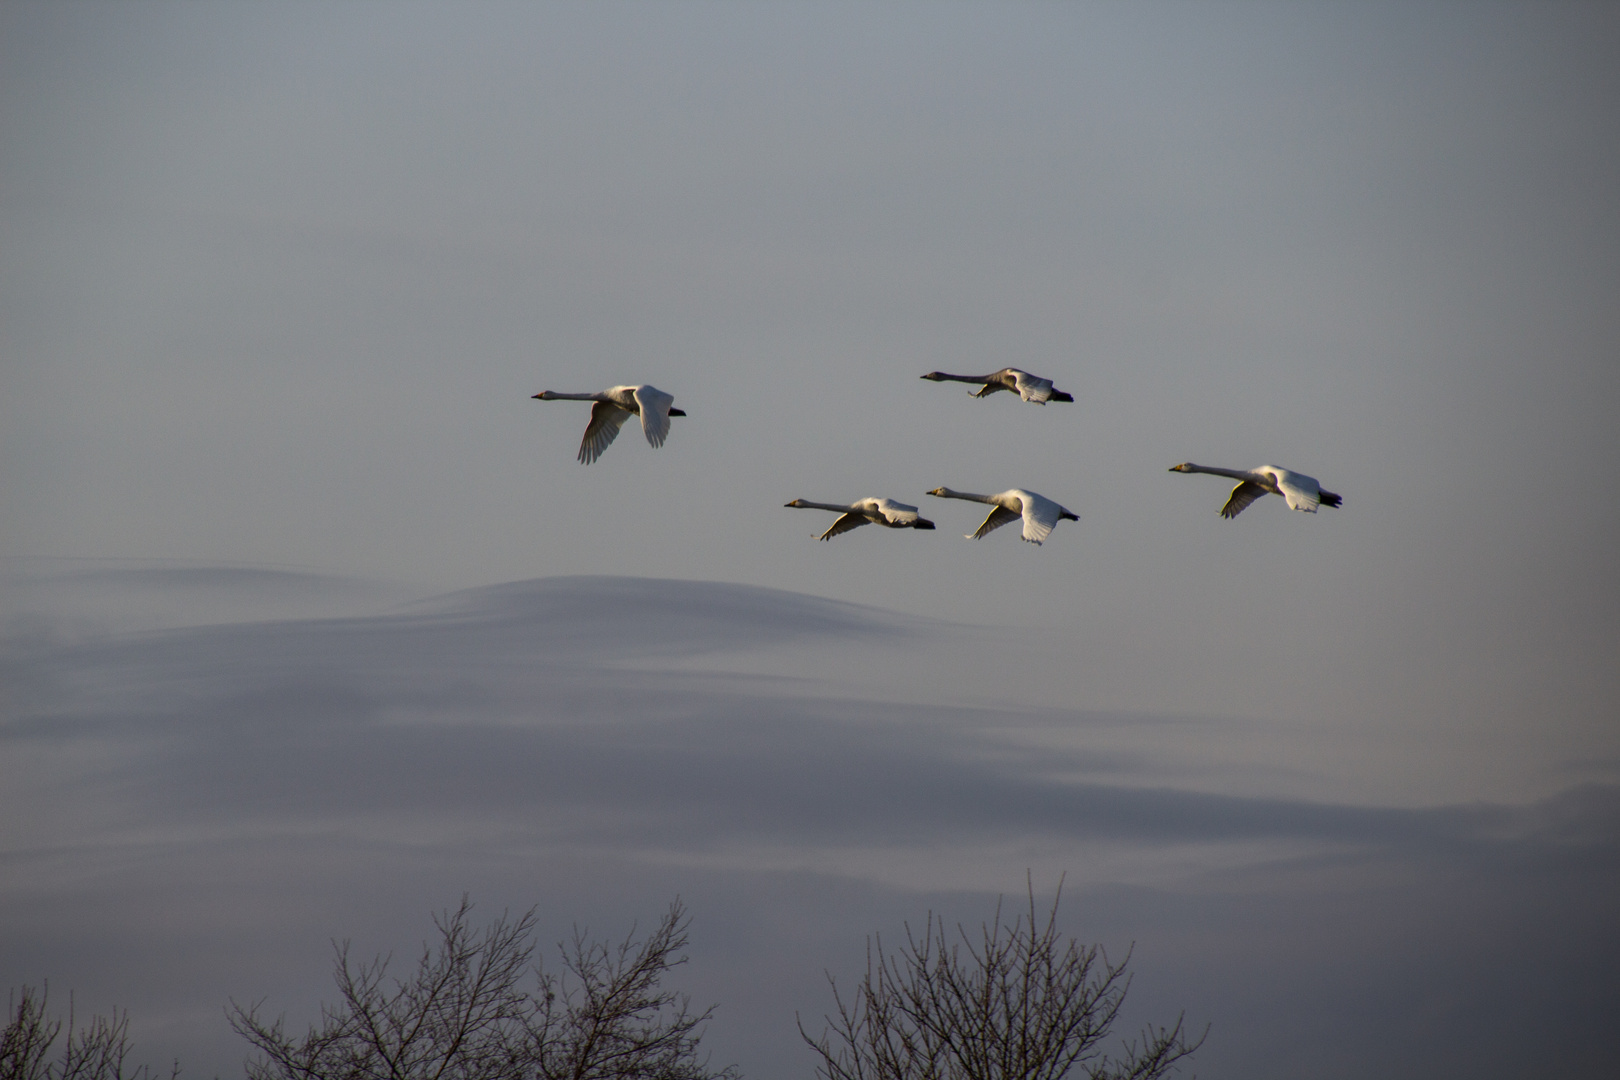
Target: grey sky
(278, 280)
(193, 813)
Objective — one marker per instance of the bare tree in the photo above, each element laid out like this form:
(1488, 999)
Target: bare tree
(1024, 1003)
(465, 1015)
(96, 1051)
(605, 1015)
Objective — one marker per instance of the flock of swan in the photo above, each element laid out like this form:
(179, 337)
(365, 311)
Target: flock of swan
(1039, 514)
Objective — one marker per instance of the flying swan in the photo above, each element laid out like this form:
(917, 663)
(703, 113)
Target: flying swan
(1301, 491)
(1029, 387)
(613, 406)
(885, 512)
(1040, 514)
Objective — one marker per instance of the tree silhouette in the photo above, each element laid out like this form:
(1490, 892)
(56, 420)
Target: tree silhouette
(96, 1051)
(465, 1015)
(1023, 1003)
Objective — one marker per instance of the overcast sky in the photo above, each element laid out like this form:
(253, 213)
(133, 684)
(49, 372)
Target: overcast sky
(277, 283)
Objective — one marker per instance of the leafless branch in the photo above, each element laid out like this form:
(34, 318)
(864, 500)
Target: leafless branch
(1020, 1002)
(464, 1014)
(96, 1051)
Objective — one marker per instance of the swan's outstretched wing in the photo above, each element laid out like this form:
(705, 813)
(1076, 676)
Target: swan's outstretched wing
(654, 413)
(998, 517)
(896, 513)
(843, 525)
(1040, 516)
(1032, 387)
(1242, 495)
(606, 419)
(1301, 491)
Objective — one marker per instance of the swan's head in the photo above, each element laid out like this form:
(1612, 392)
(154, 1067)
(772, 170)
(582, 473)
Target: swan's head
(1185, 466)
(545, 395)
(940, 491)
(795, 502)
(936, 376)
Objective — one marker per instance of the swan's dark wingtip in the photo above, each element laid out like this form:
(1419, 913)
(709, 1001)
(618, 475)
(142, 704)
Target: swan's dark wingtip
(923, 523)
(1330, 499)
(677, 412)
(1059, 395)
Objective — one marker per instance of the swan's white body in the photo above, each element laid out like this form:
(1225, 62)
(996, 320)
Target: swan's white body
(1300, 491)
(1028, 387)
(613, 407)
(885, 512)
(1040, 514)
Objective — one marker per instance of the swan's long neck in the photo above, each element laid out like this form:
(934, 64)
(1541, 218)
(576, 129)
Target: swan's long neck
(947, 493)
(552, 395)
(807, 504)
(964, 378)
(1235, 474)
